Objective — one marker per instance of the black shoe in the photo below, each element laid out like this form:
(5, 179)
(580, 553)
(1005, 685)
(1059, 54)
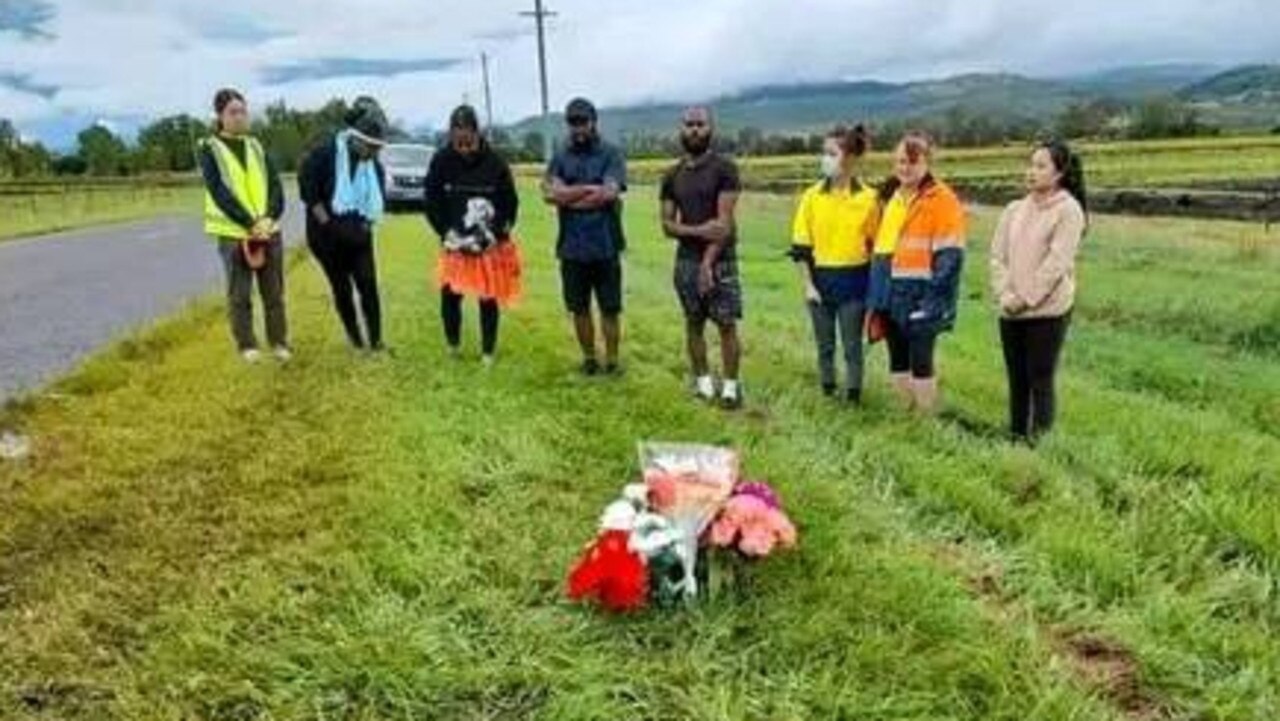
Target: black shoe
(829, 390)
(612, 369)
(853, 396)
(590, 367)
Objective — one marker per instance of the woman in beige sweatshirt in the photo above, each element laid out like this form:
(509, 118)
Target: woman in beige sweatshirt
(1033, 259)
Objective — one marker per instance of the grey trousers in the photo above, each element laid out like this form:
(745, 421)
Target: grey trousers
(847, 320)
(240, 295)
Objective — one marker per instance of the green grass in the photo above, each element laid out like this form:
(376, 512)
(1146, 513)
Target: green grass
(34, 209)
(356, 538)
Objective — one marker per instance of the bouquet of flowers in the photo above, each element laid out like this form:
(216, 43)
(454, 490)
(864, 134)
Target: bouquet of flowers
(648, 550)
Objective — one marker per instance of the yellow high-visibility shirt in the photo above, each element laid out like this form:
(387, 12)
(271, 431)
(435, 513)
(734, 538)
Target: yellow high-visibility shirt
(837, 224)
(892, 222)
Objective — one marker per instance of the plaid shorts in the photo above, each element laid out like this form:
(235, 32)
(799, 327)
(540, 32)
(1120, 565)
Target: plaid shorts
(723, 305)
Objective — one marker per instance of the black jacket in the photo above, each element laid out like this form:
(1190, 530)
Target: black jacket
(316, 178)
(454, 179)
(225, 199)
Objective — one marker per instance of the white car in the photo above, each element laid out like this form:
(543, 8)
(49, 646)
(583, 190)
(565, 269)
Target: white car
(406, 166)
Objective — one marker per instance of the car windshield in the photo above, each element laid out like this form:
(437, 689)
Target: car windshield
(407, 155)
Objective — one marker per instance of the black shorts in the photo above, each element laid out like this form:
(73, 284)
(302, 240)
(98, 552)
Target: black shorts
(722, 306)
(910, 352)
(583, 279)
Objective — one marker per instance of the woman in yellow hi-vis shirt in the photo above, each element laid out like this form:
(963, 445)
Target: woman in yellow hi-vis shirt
(244, 202)
(834, 228)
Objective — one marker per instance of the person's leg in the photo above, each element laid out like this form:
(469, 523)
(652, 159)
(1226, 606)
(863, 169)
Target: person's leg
(900, 363)
(724, 305)
(1044, 348)
(608, 289)
(575, 284)
(335, 267)
(364, 271)
(239, 295)
(924, 379)
(490, 317)
(1013, 342)
(271, 288)
(851, 317)
(451, 317)
(824, 335)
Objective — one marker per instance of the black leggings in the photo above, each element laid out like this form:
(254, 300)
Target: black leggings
(1032, 348)
(910, 352)
(347, 257)
(451, 314)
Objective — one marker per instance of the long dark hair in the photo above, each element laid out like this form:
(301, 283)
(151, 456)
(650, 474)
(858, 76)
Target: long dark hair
(221, 100)
(1069, 164)
(853, 141)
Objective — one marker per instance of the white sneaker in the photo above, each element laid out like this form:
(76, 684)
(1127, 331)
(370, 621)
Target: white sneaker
(251, 355)
(705, 388)
(283, 354)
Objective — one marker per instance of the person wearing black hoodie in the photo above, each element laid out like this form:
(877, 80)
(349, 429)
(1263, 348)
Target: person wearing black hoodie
(471, 204)
(342, 210)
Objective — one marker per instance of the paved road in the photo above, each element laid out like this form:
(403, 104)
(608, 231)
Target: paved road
(64, 296)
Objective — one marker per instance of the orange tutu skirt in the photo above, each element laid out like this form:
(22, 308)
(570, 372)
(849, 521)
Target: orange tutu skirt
(492, 275)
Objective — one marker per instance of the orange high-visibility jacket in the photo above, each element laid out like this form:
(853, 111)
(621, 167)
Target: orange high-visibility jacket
(918, 285)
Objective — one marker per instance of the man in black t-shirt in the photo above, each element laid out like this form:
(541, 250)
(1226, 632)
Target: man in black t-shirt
(699, 196)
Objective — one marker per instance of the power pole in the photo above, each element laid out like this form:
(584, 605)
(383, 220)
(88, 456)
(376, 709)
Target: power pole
(488, 95)
(540, 15)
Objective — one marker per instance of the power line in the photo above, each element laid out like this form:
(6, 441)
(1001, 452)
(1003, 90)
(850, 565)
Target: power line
(540, 15)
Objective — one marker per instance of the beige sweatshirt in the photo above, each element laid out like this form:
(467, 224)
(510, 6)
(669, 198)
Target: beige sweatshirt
(1033, 256)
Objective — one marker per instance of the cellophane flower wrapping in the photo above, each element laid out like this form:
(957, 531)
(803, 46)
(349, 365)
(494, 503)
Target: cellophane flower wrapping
(689, 484)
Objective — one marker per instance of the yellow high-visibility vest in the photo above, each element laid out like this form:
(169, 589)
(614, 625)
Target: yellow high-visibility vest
(247, 183)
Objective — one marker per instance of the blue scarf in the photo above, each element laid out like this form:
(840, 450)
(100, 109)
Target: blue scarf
(361, 194)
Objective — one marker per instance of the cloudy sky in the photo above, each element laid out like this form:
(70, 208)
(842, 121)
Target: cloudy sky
(64, 61)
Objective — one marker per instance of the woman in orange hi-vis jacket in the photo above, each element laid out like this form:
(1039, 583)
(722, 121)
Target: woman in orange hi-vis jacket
(915, 278)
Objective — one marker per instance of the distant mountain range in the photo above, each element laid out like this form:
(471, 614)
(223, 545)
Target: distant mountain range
(1242, 97)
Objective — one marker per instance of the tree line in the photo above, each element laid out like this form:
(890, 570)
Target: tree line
(168, 145)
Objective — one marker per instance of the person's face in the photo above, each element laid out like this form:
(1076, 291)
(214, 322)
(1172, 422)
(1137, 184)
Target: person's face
(466, 141)
(582, 130)
(696, 131)
(834, 159)
(909, 172)
(1042, 175)
(234, 118)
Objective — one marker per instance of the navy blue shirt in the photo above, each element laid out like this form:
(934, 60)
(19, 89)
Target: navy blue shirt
(588, 236)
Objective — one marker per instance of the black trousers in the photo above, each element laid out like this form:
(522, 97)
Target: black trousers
(910, 352)
(451, 314)
(1032, 348)
(344, 249)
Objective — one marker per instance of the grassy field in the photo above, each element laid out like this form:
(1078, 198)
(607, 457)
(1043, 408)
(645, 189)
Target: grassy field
(33, 209)
(1147, 164)
(358, 538)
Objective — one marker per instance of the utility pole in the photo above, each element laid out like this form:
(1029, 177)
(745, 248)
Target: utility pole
(540, 15)
(488, 95)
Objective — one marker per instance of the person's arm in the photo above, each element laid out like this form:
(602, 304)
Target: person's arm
(221, 194)
(312, 188)
(507, 205)
(1061, 258)
(802, 250)
(275, 191)
(435, 202)
(947, 262)
(719, 232)
(1006, 298)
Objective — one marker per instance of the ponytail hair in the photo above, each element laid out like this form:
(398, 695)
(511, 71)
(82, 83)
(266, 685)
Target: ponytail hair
(1068, 163)
(853, 141)
(221, 100)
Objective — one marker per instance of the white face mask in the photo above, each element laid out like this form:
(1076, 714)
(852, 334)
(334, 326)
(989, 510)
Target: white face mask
(830, 165)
